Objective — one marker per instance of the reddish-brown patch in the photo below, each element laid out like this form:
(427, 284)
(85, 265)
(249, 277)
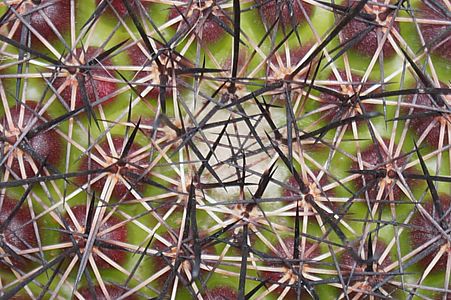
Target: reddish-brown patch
(119, 235)
(46, 145)
(150, 132)
(424, 231)
(368, 44)
(129, 171)
(350, 267)
(420, 124)
(96, 88)
(19, 233)
(435, 34)
(58, 12)
(113, 291)
(287, 12)
(21, 297)
(440, 296)
(119, 6)
(201, 18)
(220, 293)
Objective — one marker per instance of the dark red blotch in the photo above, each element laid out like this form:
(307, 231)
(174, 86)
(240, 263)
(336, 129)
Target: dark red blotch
(211, 28)
(96, 89)
(285, 11)
(368, 44)
(58, 11)
(19, 233)
(47, 145)
(434, 34)
(424, 231)
(119, 234)
(113, 291)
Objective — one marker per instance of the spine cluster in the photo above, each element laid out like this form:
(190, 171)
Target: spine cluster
(225, 149)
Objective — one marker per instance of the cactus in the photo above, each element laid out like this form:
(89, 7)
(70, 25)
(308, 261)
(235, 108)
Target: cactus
(295, 149)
